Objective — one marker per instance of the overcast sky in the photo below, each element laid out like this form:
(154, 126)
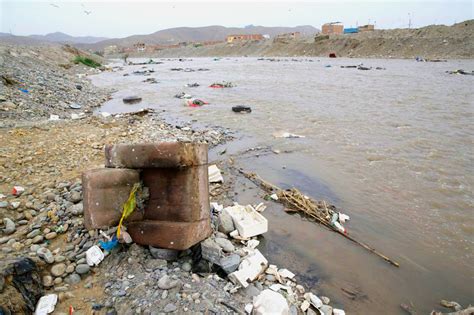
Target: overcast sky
(123, 18)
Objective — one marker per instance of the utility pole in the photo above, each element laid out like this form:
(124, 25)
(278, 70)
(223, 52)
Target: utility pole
(409, 20)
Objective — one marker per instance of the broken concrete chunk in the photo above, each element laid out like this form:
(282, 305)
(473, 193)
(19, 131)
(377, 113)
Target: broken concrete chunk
(156, 155)
(247, 221)
(104, 192)
(215, 175)
(313, 299)
(270, 302)
(168, 234)
(249, 269)
(177, 194)
(338, 312)
(225, 244)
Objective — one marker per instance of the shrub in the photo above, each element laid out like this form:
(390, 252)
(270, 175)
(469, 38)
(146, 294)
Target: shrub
(86, 61)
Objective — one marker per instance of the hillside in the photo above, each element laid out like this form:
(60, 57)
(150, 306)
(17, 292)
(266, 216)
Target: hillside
(207, 33)
(435, 41)
(62, 38)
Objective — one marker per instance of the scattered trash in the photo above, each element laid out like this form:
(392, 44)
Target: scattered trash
(144, 72)
(17, 190)
(335, 223)
(192, 85)
(247, 220)
(270, 302)
(451, 304)
(327, 66)
(53, 117)
(77, 116)
(149, 62)
(132, 99)
(287, 135)
(194, 102)
(337, 311)
(250, 268)
(274, 197)
(24, 91)
(460, 71)
(215, 175)
(105, 114)
(350, 67)
(150, 80)
(320, 211)
(360, 67)
(46, 304)
(75, 106)
(94, 256)
(241, 109)
(332, 55)
(128, 207)
(224, 84)
(109, 245)
(183, 95)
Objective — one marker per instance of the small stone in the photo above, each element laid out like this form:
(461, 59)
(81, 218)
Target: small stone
(186, 266)
(164, 295)
(58, 270)
(3, 204)
(155, 263)
(73, 279)
(225, 244)
(70, 268)
(48, 281)
(17, 246)
(51, 235)
(325, 300)
(225, 223)
(75, 197)
(59, 258)
(58, 280)
(33, 233)
(163, 253)
(37, 239)
(251, 291)
(9, 226)
(82, 269)
(77, 209)
(166, 283)
(169, 308)
(230, 263)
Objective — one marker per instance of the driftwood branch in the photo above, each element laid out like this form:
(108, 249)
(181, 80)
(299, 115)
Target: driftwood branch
(320, 211)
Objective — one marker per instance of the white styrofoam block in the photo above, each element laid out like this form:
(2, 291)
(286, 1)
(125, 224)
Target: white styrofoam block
(249, 269)
(337, 311)
(247, 221)
(46, 304)
(270, 302)
(215, 175)
(94, 256)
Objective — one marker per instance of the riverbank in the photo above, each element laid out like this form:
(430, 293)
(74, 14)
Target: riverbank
(433, 42)
(48, 156)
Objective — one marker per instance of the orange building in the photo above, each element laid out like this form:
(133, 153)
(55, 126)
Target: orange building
(332, 28)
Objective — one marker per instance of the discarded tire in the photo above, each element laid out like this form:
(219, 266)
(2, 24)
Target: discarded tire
(241, 109)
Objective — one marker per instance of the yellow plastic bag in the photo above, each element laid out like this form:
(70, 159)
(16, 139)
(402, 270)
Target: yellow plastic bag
(128, 207)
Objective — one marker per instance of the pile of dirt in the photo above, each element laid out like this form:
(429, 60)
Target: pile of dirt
(434, 41)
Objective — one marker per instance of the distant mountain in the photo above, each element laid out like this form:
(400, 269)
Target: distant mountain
(206, 33)
(62, 38)
(22, 40)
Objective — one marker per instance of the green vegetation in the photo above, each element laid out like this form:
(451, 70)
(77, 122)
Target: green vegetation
(86, 61)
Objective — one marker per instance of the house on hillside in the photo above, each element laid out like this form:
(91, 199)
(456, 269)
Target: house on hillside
(366, 28)
(244, 37)
(139, 47)
(332, 28)
(284, 38)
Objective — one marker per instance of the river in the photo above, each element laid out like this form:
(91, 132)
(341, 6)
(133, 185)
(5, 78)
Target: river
(393, 148)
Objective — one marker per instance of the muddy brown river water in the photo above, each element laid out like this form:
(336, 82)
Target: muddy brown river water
(393, 148)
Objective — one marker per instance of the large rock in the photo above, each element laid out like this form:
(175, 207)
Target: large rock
(9, 226)
(270, 302)
(156, 155)
(104, 193)
(20, 286)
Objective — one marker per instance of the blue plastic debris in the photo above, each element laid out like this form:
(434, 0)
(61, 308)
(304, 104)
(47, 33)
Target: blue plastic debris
(24, 91)
(109, 245)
